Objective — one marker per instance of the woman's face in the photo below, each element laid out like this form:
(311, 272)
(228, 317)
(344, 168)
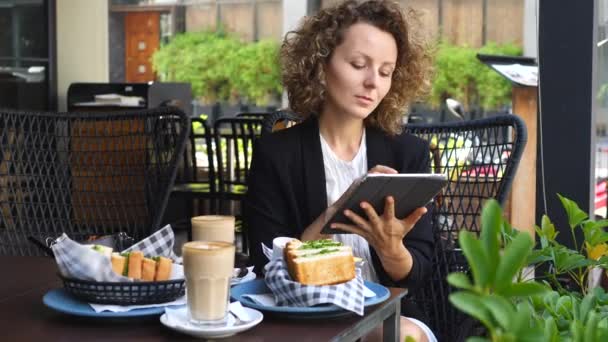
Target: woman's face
(359, 72)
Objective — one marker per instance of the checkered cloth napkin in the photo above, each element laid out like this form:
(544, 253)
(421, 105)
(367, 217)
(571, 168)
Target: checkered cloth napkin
(81, 262)
(347, 295)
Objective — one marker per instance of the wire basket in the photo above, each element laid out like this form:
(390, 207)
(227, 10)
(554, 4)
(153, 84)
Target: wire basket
(125, 293)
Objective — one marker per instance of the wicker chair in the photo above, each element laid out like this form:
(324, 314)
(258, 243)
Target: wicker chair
(234, 139)
(278, 120)
(190, 183)
(480, 158)
(85, 174)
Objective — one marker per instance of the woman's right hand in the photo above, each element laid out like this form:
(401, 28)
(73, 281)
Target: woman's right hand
(313, 231)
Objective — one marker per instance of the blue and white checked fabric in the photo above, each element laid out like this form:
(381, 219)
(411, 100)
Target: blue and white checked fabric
(81, 262)
(158, 244)
(348, 296)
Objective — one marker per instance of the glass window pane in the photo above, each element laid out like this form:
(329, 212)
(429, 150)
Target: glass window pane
(601, 96)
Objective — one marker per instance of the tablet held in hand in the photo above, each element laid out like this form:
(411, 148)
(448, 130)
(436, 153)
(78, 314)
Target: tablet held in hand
(410, 191)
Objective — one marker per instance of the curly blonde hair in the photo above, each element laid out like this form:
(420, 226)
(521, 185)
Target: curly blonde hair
(306, 51)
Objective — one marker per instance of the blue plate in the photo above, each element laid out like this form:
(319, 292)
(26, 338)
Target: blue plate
(258, 286)
(62, 301)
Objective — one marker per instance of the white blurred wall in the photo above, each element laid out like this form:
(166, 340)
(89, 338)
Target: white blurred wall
(82, 44)
(531, 28)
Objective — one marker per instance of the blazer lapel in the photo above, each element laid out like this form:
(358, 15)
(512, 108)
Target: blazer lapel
(314, 171)
(379, 152)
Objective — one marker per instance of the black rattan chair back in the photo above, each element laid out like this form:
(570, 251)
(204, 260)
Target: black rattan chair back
(234, 140)
(480, 158)
(253, 115)
(198, 180)
(278, 120)
(85, 174)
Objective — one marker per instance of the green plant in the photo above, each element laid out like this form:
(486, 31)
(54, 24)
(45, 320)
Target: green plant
(576, 263)
(514, 309)
(256, 73)
(459, 74)
(199, 58)
(220, 67)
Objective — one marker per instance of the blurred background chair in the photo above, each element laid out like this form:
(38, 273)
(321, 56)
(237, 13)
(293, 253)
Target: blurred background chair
(197, 178)
(253, 115)
(279, 119)
(480, 158)
(85, 174)
(234, 139)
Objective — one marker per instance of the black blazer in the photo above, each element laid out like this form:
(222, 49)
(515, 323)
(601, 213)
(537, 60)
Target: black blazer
(286, 191)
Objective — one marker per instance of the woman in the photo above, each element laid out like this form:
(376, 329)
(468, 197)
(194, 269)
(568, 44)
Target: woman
(351, 71)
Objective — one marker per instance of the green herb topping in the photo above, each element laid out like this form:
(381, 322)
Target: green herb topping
(316, 244)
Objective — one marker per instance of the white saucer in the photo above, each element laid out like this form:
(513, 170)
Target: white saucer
(179, 322)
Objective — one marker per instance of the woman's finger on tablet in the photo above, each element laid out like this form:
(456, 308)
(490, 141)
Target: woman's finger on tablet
(382, 169)
(389, 208)
(357, 220)
(371, 213)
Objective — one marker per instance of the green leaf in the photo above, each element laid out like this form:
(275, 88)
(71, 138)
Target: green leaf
(476, 257)
(512, 260)
(538, 256)
(477, 339)
(491, 223)
(521, 320)
(547, 229)
(575, 214)
(576, 329)
(501, 309)
(594, 232)
(523, 289)
(568, 260)
(460, 280)
(591, 326)
(551, 333)
(587, 305)
(472, 305)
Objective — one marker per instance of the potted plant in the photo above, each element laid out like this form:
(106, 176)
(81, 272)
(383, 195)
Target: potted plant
(512, 307)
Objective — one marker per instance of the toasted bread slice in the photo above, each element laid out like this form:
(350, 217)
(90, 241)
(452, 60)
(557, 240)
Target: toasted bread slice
(119, 263)
(148, 269)
(136, 259)
(163, 268)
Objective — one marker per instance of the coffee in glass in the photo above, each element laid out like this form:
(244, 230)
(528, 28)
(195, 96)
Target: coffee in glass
(208, 268)
(213, 228)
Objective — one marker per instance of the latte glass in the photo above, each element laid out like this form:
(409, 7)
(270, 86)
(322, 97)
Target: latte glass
(208, 268)
(213, 228)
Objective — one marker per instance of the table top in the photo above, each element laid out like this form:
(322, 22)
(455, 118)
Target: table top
(25, 317)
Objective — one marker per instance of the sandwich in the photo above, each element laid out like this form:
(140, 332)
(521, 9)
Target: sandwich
(135, 265)
(319, 262)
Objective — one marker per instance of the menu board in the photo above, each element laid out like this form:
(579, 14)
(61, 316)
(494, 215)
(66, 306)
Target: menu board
(519, 70)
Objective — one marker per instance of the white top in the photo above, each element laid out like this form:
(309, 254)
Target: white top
(339, 174)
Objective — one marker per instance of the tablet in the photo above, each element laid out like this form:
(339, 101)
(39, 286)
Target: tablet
(410, 191)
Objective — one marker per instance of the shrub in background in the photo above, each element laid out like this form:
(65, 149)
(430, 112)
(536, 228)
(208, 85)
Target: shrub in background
(460, 75)
(220, 67)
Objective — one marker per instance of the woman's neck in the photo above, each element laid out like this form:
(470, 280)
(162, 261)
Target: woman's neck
(343, 135)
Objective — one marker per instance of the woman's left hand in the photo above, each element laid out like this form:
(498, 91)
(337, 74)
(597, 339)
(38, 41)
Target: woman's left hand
(383, 232)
